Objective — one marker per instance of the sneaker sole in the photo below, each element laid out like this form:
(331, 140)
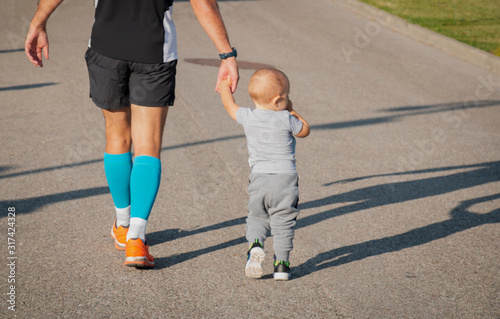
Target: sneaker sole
(253, 268)
(118, 245)
(138, 262)
(281, 276)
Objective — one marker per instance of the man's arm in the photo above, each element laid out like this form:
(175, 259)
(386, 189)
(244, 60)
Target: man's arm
(305, 126)
(228, 99)
(36, 40)
(208, 14)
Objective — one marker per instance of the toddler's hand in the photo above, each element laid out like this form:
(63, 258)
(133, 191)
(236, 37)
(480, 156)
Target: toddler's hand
(289, 107)
(225, 83)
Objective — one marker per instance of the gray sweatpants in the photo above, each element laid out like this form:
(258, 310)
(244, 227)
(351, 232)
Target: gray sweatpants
(273, 208)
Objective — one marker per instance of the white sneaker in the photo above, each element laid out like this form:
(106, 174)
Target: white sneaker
(256, 256)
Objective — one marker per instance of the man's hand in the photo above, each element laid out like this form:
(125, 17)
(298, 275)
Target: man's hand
(36, 40)
(228, 70)
(36, 43)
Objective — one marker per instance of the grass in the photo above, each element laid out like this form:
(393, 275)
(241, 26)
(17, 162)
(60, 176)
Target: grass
(474, 22)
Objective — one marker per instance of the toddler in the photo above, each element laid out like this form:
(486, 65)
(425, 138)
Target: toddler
(270, 130)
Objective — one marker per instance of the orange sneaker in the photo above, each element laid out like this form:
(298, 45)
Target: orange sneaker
(137, 254)
(119, 235)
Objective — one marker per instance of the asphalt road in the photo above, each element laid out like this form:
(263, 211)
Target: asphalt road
(399, 179)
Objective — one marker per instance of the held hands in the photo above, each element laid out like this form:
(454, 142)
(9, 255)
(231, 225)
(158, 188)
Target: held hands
(225, 83)
(228, 70)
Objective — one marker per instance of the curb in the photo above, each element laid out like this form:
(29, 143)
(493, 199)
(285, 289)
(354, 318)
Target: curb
(453, 47)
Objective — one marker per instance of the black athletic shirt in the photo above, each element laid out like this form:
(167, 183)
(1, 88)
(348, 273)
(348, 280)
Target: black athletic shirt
(134, 30)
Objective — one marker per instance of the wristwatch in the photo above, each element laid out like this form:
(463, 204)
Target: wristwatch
(224, 56)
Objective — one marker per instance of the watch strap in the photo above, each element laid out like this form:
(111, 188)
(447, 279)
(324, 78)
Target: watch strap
(231, 54)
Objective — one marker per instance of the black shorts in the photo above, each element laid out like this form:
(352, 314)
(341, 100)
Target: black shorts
(116, 84)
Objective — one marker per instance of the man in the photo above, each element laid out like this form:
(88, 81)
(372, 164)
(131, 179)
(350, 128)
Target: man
(132, 60)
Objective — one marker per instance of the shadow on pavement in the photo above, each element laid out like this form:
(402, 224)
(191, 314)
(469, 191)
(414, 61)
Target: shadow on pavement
(365, 198)
(163, 262)
(461, 219)
(29, 205)
(371, 197)
(171, 234)
(27, 86)
(12, 50)
(5, 168)
(422, 171)
(410, 111)
(398, 192)
(48, 169)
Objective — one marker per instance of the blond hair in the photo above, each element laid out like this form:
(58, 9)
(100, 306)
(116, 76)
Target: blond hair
(266, 84)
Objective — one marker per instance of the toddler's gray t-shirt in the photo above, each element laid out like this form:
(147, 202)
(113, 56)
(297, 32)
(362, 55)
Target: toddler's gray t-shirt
(270, 139)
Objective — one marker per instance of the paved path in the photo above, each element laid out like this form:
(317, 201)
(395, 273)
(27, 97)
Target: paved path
(400, 177)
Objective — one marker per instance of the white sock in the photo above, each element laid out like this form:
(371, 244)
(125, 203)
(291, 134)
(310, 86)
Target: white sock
(122, 216)
(137, 229)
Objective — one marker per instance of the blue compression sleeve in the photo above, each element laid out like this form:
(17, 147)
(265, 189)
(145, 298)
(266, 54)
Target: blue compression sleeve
(144, 185)
(118, 168)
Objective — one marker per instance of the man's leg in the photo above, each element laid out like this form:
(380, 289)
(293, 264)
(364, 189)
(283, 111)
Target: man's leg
(118, 167)
(118, 130)
(147, 130)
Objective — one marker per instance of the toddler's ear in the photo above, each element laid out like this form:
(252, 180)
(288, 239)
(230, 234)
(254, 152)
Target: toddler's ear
(276, 99)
